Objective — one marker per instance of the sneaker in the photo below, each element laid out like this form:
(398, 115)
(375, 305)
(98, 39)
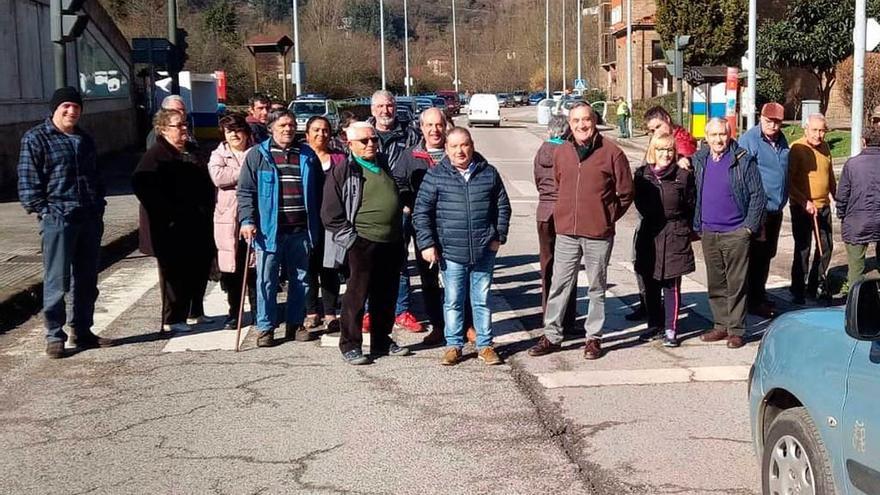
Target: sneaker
(649, 335)
(355, 357)
(543, 347)
(312, 321)
(200, 320)
(451, 356)
(266, 339)
(406, 321)
(333, 325)
(396, 350)
(55, 350)
(90, 341)
(669, 339)
(489, 356)
(365, 326)
(231, 323)
(638, 314)
(593, 349)
(177, 327)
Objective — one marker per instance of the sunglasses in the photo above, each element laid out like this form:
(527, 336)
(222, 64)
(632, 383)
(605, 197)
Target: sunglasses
(365, 141)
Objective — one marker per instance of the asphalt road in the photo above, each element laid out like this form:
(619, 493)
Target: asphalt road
(189, 415)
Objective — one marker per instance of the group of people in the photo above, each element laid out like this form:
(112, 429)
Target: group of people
(319, 210)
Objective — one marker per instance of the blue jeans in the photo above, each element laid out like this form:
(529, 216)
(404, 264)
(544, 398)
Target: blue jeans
(293, 253)
(71, 247)
(457, 280)
(403, 290)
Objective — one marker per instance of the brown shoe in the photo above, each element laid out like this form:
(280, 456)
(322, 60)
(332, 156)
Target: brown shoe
(312, 321)
(91, 341)
(489, 356)
(298, 333)
(266, 339)
(543, 347)
(55, 350)
(735, 342)
(714, 335)
(593, 349)
(451, 357)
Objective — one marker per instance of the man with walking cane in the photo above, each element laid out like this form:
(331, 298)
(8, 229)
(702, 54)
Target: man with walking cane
(811, 184)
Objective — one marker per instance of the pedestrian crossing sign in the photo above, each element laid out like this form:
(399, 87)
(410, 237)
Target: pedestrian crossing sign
(580, 84)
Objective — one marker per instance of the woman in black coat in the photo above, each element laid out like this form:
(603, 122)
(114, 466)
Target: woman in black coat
(176, 191)
(665, 196)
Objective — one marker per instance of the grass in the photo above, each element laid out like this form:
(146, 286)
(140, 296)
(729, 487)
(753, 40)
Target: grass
(838, 141)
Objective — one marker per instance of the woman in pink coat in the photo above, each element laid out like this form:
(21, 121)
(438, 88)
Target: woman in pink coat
(224, 167)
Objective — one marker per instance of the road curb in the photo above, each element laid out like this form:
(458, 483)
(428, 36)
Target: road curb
(27, 301)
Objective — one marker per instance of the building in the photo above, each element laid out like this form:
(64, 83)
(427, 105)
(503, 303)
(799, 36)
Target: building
(99, 63)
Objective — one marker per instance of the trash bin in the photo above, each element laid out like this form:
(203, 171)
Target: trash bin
(808, 107)
(545, 110)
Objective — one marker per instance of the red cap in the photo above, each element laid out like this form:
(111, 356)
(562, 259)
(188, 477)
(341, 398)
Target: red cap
(773, 111)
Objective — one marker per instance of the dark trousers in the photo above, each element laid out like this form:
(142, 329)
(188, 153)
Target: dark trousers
(324, 279)
(663, 313)
(71, 248)
(232, 282)
(432, 294)
(763, 248)
(727, 261)
(183, 277)
(546, 248)
(806, 276)
(374, 273)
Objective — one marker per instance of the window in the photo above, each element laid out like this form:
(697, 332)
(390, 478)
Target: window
(99, 75)
(657, 51)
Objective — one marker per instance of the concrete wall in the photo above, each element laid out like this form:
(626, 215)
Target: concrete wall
(27, 79)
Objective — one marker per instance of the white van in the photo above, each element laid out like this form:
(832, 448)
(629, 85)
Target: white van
(483, 109)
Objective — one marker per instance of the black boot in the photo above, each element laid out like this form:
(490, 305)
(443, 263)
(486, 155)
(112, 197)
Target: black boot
(639, 313)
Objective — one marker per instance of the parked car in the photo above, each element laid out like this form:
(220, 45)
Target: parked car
(441, 104)
(453, 103)
(520, 98)
(505, 100)
(557, 95)
(405, 115)
(813, 398)
(423, 103)
(408, 102)
(309, 105)
(534, 98)
(484, 108)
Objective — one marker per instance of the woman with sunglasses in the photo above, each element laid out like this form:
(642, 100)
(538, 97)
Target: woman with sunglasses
(318, 150)
(665, 196)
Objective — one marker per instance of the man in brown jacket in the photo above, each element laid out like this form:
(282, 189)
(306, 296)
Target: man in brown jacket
(595, 190)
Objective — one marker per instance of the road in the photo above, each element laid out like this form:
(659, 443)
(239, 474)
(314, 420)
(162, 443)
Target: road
(189, 415)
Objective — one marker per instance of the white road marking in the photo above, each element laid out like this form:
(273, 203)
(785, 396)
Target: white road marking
(120, 291)
(601, 378)
(211, 336)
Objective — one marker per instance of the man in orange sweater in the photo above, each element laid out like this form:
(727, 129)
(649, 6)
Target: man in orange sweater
(811, 184)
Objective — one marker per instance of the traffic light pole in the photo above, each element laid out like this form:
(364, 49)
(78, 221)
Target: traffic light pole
(58, 48)
(172, 38)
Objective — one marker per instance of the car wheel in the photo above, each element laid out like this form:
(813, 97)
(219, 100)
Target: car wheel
(795, 459)
(496, 125)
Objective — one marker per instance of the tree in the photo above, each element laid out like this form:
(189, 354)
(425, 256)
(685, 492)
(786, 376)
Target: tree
(770, 87)
(872, 81)
(221, 20)
(718, 29)
(814, 35)
(364, 16)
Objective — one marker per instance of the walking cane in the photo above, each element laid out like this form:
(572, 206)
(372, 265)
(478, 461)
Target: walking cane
(247, 262)
(821, 251)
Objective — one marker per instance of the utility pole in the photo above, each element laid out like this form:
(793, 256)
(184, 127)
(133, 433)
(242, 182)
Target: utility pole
(563, 47)
(295, 75)
(752, 68)
(455, 82)
(629, 57)
(858, 101)
(580, 12)
(172, 38)
(407, 80)
(547, 91)
(58, 49)
(382, 39)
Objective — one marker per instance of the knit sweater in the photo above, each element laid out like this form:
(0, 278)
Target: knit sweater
(810, 174)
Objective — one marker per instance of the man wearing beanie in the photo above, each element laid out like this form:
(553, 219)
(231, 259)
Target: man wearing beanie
(58, 180)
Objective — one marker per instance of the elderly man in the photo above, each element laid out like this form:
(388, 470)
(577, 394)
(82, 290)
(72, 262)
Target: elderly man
(729, 211)
(595, 190)
(258, 117)
(279, 201)
(58, 179)
(394, 139)
(857, 204)
(812, 183)
(409, 173)
(768, 145)
(464, 246)
(361, 213)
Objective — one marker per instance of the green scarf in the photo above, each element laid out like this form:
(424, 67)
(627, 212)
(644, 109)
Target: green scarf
(372, 167)
(556, 140)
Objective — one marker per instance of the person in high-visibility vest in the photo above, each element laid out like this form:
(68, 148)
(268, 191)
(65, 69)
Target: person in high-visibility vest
(622, 118)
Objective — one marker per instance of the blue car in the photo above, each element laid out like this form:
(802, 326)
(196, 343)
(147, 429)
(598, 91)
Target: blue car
(534, 98)
(814, 399)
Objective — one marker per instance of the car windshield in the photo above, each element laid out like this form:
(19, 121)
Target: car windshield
(302, 108)
(439, 102)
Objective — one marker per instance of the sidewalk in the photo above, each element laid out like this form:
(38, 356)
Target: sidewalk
(21, 262)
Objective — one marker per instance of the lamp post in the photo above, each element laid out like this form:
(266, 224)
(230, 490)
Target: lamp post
(752, 68)
(382, 40)
(629, 57)
(547, 49)
(858, 102)
(455, 82)
(296, 75)
(406, 49)
(580, 13)
(563, 47)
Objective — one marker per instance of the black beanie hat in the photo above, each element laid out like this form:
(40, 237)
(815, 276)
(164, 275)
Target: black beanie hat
(67, 94)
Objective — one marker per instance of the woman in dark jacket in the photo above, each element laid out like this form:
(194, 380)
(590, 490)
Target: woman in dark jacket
(177, 193)
(665, 196)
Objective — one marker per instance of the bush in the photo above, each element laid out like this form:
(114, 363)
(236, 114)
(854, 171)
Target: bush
(770, 87)
(872, 81)
(666, 101)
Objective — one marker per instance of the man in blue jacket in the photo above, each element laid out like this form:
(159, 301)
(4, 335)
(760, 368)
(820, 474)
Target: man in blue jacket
(768, 145)
(461, 216)
(729, 212)
(279, 205)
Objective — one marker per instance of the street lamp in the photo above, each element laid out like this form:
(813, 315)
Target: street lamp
(296, 73)
(752, 68)
(547, 49)
(407, 81)
(382, 40)
(563, 47)
(455, 82)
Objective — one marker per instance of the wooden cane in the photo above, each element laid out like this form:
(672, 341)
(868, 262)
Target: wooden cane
(247, 262)
(816, 233)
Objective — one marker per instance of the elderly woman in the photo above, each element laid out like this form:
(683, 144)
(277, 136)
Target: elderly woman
(323, 157)
(225, 167)
(557, 131)
(178, 196)
(665, 196)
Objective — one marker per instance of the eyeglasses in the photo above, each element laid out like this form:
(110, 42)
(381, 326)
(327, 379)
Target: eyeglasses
(667, 150)
(178, 126)
(364, 141)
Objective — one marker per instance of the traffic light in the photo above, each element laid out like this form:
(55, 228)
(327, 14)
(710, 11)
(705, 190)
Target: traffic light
(68, 21)
(178, 56)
